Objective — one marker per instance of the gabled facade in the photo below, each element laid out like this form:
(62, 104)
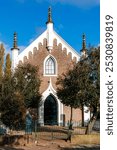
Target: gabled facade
(54, 56)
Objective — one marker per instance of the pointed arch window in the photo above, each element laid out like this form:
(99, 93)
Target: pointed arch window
(50, 66)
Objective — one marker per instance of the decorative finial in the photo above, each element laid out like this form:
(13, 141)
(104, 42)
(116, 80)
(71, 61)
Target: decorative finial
(83, 41)
(15, 41)
(49, 16)
(84, 50)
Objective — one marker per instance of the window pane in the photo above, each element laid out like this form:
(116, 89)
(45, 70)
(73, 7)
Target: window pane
(50, 66)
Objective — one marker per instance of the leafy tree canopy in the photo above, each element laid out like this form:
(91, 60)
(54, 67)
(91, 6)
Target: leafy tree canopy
(27, 83)
(81, 85)
(18, 91)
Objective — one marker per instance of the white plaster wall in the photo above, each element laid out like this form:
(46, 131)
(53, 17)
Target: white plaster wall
(32, 45)
(50, 90)
(14, 58)
(50, 35)
(86, 114)
(66, 45)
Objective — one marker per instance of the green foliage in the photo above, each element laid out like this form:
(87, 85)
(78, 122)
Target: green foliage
(93, 79)
(89, 80)
(67, 89)
(27, 84)
(11, 103)
(12, 107)
(1, 69)
(1, 60)
(81, 85)
(7, 70)
(18, 91)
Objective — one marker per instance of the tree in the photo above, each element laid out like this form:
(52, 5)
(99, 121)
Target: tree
(82, 71)
(69, 88)
(93, 79)
(80, 86)
(20, 90)
(1, 60)
(11, 104)
(1, 70)
(94, 86)
(27, 84)
(89, 80)
(67, 91)
(7, 70)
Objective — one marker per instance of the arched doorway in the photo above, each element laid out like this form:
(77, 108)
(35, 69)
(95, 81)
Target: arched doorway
(50, 111)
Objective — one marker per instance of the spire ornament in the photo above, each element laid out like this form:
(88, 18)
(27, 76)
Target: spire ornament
(15, 42)
(83, 41)
(84, 50)
(49, 16)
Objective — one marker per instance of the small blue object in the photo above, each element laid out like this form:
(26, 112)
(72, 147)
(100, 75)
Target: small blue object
(28, 129)
(2, 131)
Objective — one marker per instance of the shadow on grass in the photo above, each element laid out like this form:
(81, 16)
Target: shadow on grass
(9, 148)
(82, 148)
(10, 139)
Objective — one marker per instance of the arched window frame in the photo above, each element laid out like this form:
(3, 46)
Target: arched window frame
(55, 65)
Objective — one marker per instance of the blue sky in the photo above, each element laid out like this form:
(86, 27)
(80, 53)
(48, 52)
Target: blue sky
(71, 19)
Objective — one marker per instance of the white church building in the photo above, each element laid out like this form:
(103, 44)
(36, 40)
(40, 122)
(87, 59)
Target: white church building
(54, 56)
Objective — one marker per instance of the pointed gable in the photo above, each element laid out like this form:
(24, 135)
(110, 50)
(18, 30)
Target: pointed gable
(50, 35)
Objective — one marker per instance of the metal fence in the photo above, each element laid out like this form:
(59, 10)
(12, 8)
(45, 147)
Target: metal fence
(47, 132)
(58, 132)
(51, 132)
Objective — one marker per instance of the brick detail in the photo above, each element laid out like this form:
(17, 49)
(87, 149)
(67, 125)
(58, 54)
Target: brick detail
(64, 62)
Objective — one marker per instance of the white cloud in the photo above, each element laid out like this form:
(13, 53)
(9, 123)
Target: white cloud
(7, 47)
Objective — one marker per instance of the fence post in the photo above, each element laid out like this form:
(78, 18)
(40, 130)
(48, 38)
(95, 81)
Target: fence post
(69, 135)
(27, 139)
(52, 134)
(35, 127)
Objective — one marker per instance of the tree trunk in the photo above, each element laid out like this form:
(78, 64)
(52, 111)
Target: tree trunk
(82, 115)
(71, 123)
(91, 123)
